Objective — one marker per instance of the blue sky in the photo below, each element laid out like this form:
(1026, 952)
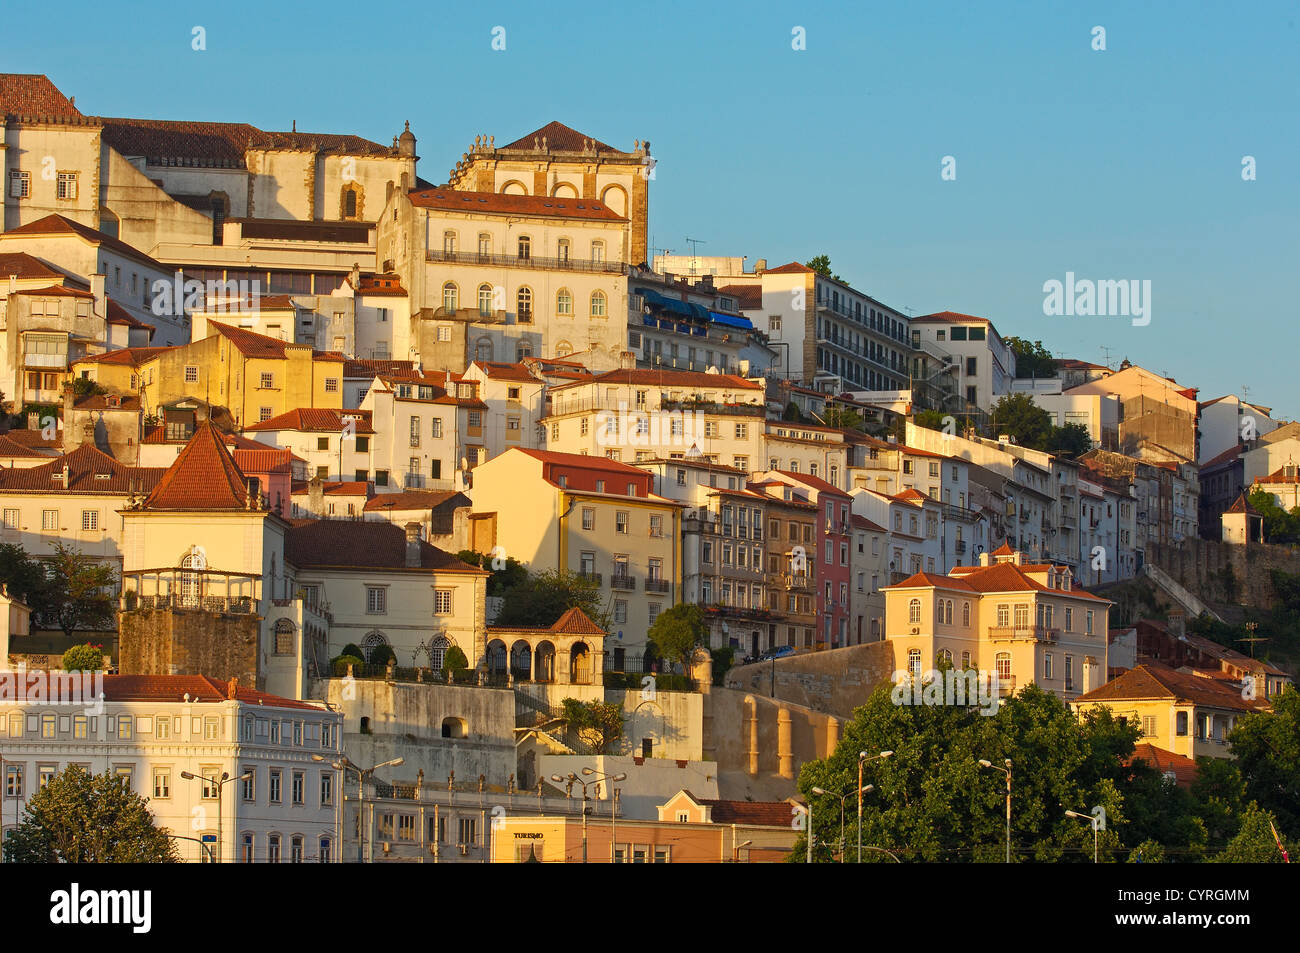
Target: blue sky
(1117, 164)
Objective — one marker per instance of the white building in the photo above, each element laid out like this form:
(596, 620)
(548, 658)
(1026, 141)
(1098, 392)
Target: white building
(278, 804)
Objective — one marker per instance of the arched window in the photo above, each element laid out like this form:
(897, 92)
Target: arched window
(296, 849)
(947, 612)
(525, 248)
(192, 582)
(914, 663)
(450, 297)
(597, 252)
(965, 661)
(564, 303)
(914, 611)
(483, 349)
(563, 349)
(598, 304)
(372, 644)
(484, 246)
(283, 637)
(351, 202)
(485, 299)
(965, 613)
(524, 305)
(438, 651)
(1002, 664)
(944, 658)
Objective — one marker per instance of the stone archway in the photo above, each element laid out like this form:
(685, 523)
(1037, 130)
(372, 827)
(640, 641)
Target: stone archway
(544, 662)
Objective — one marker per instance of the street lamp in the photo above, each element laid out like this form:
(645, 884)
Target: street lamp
(344, 764)
(842, 798)
(569, 781)
(863, 757)
(1094, 821)
(220, 785)
(807, 809)
(613, 802)
(1007, 770)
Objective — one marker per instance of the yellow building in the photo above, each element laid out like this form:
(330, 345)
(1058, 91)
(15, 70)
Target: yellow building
(256, 377)
(1024, 621)
(1189, 714)
(586, 515)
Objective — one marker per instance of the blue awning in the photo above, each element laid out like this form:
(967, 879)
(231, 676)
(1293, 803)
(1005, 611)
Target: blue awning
(673, 305)
(731, 321)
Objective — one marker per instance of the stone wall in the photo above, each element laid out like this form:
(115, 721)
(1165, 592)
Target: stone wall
(1199, 564)
(172, 642)
(836, 681)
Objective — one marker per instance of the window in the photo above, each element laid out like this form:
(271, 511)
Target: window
(49, 724)
(89, 520)
(67, 185)
(273, 848)
(266, 380)
(210, 783)
(598, 304)
(296, 849)
(1047, 665)
(485, 299)
(564, 303)
(249, 783)
(621, 522)
(20, 184)
(914, 612)
(525, 246)
(11, 519)
(264, 414)
(442, 601)
(325, 850)
(299, 788)
(467, 829)
(588, 517)
(450, 299)
(49, 519)
(524, 305)
(275, 776)
(656, 526)
(1148, 726)
(162, 780)
(14, 780)
(191, 374)
(376, 600)
(449, 243)
(125, 728)
(597, 252)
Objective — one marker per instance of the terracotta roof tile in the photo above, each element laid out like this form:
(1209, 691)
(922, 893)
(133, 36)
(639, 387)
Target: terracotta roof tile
(756, 813)
(369, 369)
(203, 477)
(559, 138)
(793, 268)
(1154, 681)
(202, 689)
(320, 419)
(576, 622)
(1180, 766)
(32, 94)
(22, 265)
(411, 500)
(359, 544)
(452, 200)
(58, 225)
(90, 470)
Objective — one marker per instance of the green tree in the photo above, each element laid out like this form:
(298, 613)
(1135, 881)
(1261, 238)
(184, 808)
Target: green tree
(1267, 750)
(80, 591)
(85, 387)
(1280, 526)
(1218, 799)
(677, 632)
(541, 598)
(930, 419)
(792, 413)
(95, 819)
(1072, 440)
(83, 658)
(25, 577)
(839, 416)
(454, 660)
(598, 724)
(1018, 416)
(506, 574)
(1032, 359)
(822, 265)
(1254, 843)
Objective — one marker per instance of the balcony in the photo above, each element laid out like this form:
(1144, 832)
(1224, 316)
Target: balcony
(961, 546)
(896, 577)
(788, 580)
(532, 261)
(595, 577)
(657, 585)
(712, 407)
(1036, 633)
(626, 583)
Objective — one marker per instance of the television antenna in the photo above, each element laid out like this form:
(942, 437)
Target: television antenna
(695, 244)
(1252, 638)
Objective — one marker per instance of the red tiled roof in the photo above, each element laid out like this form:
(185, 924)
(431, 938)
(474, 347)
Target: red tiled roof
(119, 315)
(12, 448)
(911, 496)
(32, 94)
(220, 143)
(34, 438)
(576, 622)
(748, 297)
(1004, 550)
(90, 470)
(584, 461)
(1280, 476)
(202, 689)
(317, 419)
(757, 813)
(1230, 454)
(812, 482)
(861, 522)
(380, 285)
(559, 138)
(370, 369)
(334, 487)
(506, 372)
(203, 477)
(58, 225)
(127, 356)
(950, 316)
(250, 343)
(270, 460)
(56, 291)
(793, 268)
(359, 544)
(672, 379)
(107, 402)
(22, 265)
(1180, 766)
(1152, 681)
(922, 580)
(410, 500)
(1242, 505)
(451, 200)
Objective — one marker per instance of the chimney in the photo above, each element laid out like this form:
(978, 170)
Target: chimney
(413, 546)
(760, 266)
(1177, 623)
(354, 276)
(316, 496)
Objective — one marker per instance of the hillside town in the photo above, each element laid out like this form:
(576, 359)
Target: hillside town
(373, 520)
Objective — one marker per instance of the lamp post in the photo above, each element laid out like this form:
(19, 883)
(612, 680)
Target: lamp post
(206, 848)
(1007, 770)
(863, 757)
(842, 798)
(1094, 822)
(569, 781)
(220, 785)
(613, 801)
(806, 809)
(344, 764)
